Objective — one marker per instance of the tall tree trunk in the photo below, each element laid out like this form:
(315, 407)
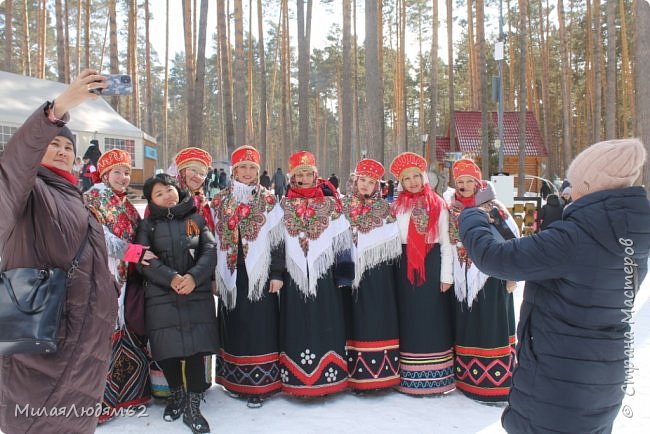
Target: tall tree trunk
(285, 117)
(566, 89)
(147, 96)
(473, 102)
(356, 141)
(165, 141)
(222, 34)
(641, 68)
(26, 53)
(374, 86)
(9, 35)
(113, 52)
(523, 41)
(512, 42)
(345, 117)
(598, 86)
(87, 34)
(610, 99)
(250, 130)
(304, 32)
(78, 38)
(262, 60)
(60, 42)
(199, 83)
(546, 98)
(66, 41)
(239, 76)
(482, 66)
(190, 71)
(433, 117)
(450, 74)
(627, 79)
(133, 63)
(41, 38)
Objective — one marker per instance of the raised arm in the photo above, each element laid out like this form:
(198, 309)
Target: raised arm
(537, 257)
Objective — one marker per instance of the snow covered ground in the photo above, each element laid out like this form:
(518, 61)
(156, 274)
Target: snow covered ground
(388, 411)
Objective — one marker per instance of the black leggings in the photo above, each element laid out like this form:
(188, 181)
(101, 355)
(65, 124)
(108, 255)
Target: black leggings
(194, 372)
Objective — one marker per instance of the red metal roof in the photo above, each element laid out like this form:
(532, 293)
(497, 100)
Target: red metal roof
(468, 134)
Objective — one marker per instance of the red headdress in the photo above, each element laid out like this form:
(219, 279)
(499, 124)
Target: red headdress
(426, 204)
(110, 159)
(302, 160)
(370, 168)
(192, 156)
(245, 154)
(466, 167)
(407, 161)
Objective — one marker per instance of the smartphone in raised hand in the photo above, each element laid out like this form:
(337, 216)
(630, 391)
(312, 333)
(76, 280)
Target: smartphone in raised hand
(118, 85)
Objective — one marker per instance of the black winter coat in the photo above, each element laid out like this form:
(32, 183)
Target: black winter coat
(551, 212)
(179, 325)
(574, 326)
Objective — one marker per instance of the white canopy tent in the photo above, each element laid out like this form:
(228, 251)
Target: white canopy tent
(21, 95)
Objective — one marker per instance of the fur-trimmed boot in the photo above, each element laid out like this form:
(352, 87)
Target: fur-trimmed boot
(192, 416)
(175, 404)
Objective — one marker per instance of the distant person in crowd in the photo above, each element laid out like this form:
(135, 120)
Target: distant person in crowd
(582, 275)
(87, 174)
(265, 180)
(44, 221)
(334, 180)
(566, 183)
(223, 179)
(550, 212)
(180, 313)
(208, 181)
(545, 190)
(93, 152)
(279, 183)
(77, 167)
(566, 196)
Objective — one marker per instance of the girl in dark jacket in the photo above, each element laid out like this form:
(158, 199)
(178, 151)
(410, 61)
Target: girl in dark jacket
(180, 313)
(582, 274)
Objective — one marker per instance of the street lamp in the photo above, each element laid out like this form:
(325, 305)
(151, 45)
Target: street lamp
(424, 138)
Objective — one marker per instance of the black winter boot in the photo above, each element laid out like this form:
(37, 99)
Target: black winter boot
(192, 416)
(175, 404)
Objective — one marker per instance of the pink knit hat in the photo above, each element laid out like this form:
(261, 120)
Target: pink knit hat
(606, 165)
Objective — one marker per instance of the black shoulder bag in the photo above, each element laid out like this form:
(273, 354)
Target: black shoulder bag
(31, 306)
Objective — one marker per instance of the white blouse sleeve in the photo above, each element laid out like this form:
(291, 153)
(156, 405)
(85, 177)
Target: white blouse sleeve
(446, 250)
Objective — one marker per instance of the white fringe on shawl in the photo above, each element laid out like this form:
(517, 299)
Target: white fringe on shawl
(257, 261)
(468, 288)
(375, 247)
(320, 257)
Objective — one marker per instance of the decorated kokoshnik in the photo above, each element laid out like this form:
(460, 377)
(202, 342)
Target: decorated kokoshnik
(314, 230)
(249, 213)
(375, 233)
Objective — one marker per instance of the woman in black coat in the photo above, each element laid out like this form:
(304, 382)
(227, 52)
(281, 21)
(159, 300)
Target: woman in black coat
(582, 275)
(550, 212)
(180, 314)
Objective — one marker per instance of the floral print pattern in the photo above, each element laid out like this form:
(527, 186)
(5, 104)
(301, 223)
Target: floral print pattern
(307, 218)
(366, 214)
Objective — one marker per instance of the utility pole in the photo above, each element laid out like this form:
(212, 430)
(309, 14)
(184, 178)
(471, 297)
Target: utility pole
(499, 53)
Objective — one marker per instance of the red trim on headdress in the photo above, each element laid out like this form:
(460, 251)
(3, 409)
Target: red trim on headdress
(302, 159)
(110, 159)
(186, 157)
(245, 154)
(370, 168)
(407, 160)
(466, 167)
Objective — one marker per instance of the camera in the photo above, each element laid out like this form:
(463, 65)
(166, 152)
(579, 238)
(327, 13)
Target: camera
(118, 85)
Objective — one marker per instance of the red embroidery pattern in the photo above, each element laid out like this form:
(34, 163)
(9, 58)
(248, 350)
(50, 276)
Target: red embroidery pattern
(366, 214)
(307, 218)
(119, 216)
(234, 218)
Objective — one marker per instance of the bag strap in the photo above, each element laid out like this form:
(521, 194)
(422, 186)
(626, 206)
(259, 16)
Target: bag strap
(82, 247)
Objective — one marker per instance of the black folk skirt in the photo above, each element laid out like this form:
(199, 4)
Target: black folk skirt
(426, 330)
(312, 339)
(485, 343)
(373, 330)
(248, 360)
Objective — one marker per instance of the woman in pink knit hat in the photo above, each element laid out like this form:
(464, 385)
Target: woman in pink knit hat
(582, 274)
